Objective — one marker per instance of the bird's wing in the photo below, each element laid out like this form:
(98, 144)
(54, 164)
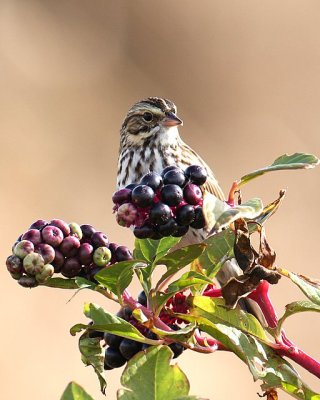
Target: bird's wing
(213, 187)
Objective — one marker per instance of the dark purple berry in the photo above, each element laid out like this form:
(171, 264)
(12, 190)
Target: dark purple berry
(153, 180)
(169, 228)
(28, 281)
(177, 349)
(93, 269)
(85, 253)
(99, 239)
(185, 215)
(46, 251)
(199, 221)
(160, 214)
(180, 231)
(169, 168)
(171, 195)
(58, 261)
(112, 340)
(143, 232)
(39, 224)
(33, 235)
(192, 194)
(95, 334)
(122, 196)
(52, 235)
(71, 268)
(62, 225)
(125, 313)
(69, 246)
(87, 230)
(196, 174)
(156, 235)
(14, 264)
(142, 298)
(175, 177)
(142, 196)
(122, 253)
(113, 358)
(128, 348)
(131, 186)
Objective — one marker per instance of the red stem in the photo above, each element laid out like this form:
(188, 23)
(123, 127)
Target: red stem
(213, 293)
(261, 296)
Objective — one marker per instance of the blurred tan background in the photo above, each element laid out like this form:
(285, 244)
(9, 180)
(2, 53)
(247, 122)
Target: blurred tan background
(246, 78)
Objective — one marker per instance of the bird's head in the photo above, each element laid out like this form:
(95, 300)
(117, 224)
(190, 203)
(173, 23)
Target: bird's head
(153, 118)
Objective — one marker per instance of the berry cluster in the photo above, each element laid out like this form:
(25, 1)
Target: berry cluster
(57, 247)
(120, 350)
(162, 205)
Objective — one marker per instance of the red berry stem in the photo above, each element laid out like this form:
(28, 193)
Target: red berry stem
(206, 342)
(301, 358)
(213, 292)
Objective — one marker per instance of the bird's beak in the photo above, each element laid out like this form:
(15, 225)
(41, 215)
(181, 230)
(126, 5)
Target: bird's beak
(171, 120)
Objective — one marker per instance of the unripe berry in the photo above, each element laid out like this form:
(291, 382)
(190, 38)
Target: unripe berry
(52, 235)
(14, 264)
(122, 196)
(23, 248)
(102, 256)
(33, 263)
(33, 235)
(75, 230)
(142, 196)
(45, 274)
(62, 225)
(171, 195)
(127, 214)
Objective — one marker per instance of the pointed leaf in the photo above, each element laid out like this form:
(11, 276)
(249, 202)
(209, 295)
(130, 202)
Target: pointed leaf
(85, 283)
(149, 249)
(284, 162)
(149, 375)
(310, 289)
(61, 283)
(296, 307)
(178, 259)
(75, 392)
(249, 210)
(93, 354)
(117, 277)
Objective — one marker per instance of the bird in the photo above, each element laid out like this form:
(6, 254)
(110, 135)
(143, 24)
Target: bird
(150, 141)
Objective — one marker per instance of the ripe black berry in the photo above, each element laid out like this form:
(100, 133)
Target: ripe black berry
(131, 186)
(87, 230)
(199, 221)
(71, 268)
(112, 340)
(128, 348)
(196, 174)
(142, 196)
(122, 253)
(177, 349)
(180, 231)
(113, 358)
(153, 180)
(169, 228)
(171, 195)
(142, 298)
(99, 239)
(185, 215)
(175, 177)
(160, 214)
(169, 168)
(143, 232)
(192, 194)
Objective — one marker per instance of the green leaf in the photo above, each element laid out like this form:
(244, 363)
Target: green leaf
(93, 354)
(296, 307)
(61, 283)
(219, 247)
(309, 288)
(117, 277)
(249, 210)
(103, 321)
(75, 392)
(149, 375)
(178, 259)
(181, 335)
(149, 249)
(214, 310)
(85, 283)
(284, 162)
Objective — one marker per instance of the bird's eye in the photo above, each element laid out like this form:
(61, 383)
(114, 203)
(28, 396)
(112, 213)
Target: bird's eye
(147, 116)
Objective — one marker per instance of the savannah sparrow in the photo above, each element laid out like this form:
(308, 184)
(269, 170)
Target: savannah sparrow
(150, 141)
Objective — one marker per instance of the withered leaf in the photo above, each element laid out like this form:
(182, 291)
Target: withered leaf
(243, 251)
(267, 255)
